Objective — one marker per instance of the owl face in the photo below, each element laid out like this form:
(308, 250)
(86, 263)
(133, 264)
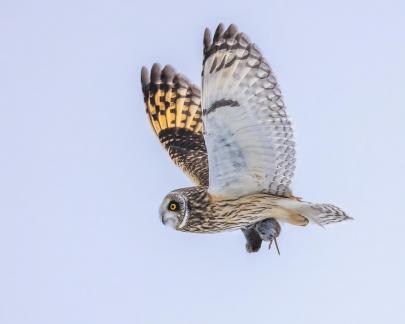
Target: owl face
(174, 211)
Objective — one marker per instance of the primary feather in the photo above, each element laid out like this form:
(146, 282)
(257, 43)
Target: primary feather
(248, 136)
(174, 110)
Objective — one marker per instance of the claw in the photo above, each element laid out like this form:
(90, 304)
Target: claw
(275, 242)
(278, 250)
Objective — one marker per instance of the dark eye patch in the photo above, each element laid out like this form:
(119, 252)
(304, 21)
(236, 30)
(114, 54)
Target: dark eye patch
(173, 206)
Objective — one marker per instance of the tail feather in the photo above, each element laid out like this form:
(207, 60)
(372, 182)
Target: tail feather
(324, 214)
(321, 214)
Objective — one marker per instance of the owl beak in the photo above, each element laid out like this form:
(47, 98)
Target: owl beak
(169, 220)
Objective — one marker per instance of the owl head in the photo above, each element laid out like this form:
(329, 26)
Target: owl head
(179, 206)
(173, 210)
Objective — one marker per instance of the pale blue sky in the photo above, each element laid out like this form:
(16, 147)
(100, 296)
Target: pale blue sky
(82, 176)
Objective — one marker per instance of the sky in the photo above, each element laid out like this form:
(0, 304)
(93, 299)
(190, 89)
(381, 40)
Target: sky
(82, 175)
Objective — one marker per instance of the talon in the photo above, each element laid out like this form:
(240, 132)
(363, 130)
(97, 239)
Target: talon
(275, 242)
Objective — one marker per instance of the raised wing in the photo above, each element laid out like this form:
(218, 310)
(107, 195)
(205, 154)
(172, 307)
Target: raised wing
(248, 136)
(174, 110)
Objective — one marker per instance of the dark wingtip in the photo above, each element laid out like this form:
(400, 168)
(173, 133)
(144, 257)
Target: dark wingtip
(168, 74)
(207, 38)
(231, 31)
(155, 73)
(144, 76)
(181, 80)
(218, 32)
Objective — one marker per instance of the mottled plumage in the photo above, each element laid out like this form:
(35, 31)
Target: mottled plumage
(173, 105)
(235, 142)
(248, 136)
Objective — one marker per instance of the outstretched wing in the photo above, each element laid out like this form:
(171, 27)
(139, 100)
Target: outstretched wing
(174, 110)
(248, 136)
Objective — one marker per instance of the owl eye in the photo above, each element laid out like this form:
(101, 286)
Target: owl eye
(173, 206)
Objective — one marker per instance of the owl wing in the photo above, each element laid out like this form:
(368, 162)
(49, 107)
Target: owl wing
(174, 110)
(248, 136)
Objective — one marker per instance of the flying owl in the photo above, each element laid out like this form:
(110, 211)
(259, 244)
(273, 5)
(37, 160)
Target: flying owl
(233, 140)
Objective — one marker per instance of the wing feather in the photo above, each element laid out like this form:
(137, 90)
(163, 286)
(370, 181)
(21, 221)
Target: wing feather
(173, 105)
(248, 136)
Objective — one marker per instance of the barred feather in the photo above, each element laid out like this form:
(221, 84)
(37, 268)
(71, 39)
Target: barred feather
(171, 100)
(321, 214)
(173, 107)
(248, 135)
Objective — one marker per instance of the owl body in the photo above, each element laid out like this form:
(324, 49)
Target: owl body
(204, 213)
(233, 139)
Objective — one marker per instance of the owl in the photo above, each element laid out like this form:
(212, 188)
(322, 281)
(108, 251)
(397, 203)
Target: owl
(234, 140)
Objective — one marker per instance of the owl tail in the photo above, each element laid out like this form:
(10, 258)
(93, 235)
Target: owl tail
(321, 214)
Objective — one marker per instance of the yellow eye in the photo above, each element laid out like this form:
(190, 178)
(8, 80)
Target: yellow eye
(173, 206)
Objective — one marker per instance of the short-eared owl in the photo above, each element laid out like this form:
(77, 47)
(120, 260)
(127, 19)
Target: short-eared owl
(234, 141)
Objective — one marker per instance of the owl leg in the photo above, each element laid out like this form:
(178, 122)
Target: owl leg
(269, 230)
(253, 240)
